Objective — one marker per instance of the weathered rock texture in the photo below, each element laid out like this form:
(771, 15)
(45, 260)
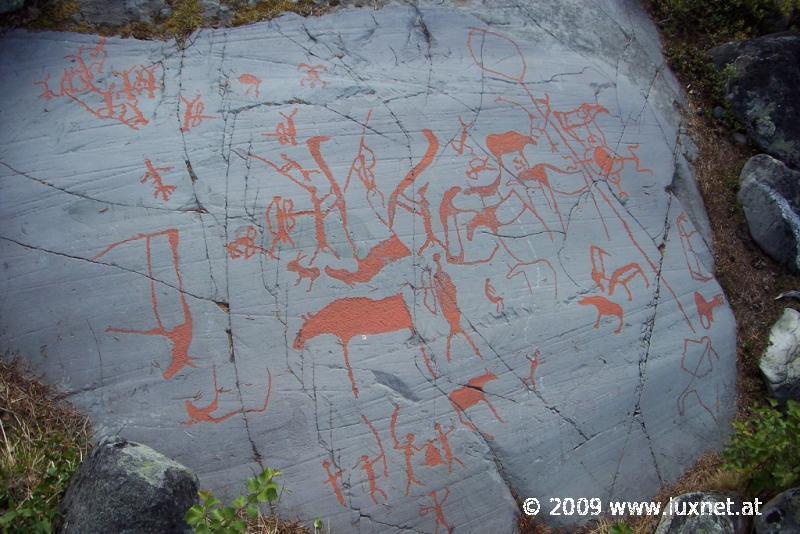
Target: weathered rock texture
(128, 488)
(762, 88)
(676, 520)
(781, 515)
(781, 361)
(419, 259)
(770, 194)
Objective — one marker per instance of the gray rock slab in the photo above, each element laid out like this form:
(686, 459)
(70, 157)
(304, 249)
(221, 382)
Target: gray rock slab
(780, 363)
(420, 259)
(761, 79)
(769, 192)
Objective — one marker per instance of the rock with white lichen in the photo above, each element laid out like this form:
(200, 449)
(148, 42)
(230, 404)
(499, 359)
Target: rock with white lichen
(127, 487)
(692, 513)
(761, 85)
(781, 515)
(769, 192)
(780, 363)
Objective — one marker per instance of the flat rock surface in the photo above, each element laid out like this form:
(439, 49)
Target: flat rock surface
(420, 259)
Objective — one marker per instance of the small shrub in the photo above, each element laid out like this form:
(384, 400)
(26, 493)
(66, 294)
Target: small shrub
(765, 447)
(211, 517)
(186, 17)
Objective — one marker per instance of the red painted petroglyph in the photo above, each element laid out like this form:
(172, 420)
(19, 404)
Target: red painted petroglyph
(698, 360)
(408, 449)
(285, 132)
(350, 317)
(424, 210)
(406, 183)
(470, 395)
(445, 293)
(193, 113)
(280, 223)
(310, 273)
(114, 95)
(317, 212)
(491, 295)
(437, 511)
(368, 464)
(180, 335)
(705, 309)
(575, 131)
(693, 264)
(535, 360)
(204, 415)
(604, 307)
(444, 443)
(244, 245)
(312, 75)
(154, 174)
(363, 167)
(334, 480)
(252, 84)
(433, 458)
(314, 145)
(623, 276)
(379, 256)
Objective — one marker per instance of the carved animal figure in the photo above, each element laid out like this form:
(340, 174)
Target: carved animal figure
(470, 395)
(350, 317)
(312, 273)
(604, 307)
(705, 309)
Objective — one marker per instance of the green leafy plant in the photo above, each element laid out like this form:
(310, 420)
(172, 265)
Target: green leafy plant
(765, 447)
(42, 441)
(37, 511)
(620, 528)
(211, 517)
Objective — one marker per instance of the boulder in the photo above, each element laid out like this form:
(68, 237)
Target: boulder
(678, 518)
(8, 6)
(781, 515)
(761, 86)
(127, 487)
(769, 192)
(780, 363)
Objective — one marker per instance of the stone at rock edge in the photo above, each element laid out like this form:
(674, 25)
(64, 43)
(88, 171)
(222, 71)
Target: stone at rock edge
(769, 192)
(761, 86)
(781, 515)
(687, 523)
(780, 363)
(128, 488)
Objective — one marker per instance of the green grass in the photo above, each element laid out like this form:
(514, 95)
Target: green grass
(42, 442)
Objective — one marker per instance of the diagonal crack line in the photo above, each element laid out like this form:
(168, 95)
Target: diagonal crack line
(646, 341)
(551, 408)
(88, 197)
(88, 260)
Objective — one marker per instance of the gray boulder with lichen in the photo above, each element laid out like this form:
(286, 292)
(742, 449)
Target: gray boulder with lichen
(678, 516)
(126, 487)
(781, 361)
(770, 195)
(761, 86)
